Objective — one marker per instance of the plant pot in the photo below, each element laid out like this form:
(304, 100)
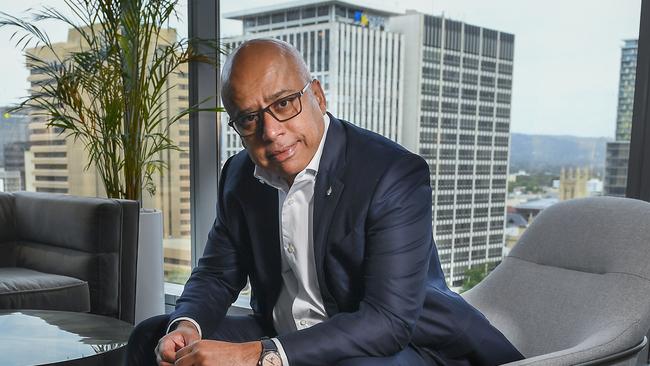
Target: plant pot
(150, 293)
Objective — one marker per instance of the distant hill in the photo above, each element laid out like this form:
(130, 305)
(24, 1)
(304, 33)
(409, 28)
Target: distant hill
(549, 153)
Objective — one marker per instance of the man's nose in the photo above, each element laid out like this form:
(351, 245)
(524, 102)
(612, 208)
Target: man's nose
(271, 128)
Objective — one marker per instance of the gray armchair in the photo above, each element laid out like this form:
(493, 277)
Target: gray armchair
(62, 252)
(576, 287)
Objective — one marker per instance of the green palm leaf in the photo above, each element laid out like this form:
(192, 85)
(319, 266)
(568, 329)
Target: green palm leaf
(111, 95)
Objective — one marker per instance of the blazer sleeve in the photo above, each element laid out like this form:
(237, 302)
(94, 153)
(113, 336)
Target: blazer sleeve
(398, 243)
(219, 276)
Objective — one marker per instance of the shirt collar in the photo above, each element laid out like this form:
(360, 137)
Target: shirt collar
(310, 170)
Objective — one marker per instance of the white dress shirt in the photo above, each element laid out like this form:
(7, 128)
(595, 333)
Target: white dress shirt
(299, 304)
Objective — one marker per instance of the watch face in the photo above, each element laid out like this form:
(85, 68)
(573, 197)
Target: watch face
(271, 359)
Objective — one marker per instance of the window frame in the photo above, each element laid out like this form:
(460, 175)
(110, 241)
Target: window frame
(638, 176)
(204, 134)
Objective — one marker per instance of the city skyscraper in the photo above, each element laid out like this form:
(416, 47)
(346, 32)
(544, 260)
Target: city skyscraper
(618, 151)
(448, 101)
(13, 128)
(14, 134)
(457, 103)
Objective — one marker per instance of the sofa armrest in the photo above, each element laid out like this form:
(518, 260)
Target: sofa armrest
(627, 357)
(92, 239)
(7, 218)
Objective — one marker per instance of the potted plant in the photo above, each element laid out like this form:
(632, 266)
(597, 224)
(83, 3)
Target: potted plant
(110, 96)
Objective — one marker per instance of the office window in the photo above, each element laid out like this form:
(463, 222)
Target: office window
(40, 158)
(482, 93)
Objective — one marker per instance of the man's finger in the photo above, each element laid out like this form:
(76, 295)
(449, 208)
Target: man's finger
(185, 360)
(166, 350)
(184, 351)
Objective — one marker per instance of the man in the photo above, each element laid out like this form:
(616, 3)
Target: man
(332, 226)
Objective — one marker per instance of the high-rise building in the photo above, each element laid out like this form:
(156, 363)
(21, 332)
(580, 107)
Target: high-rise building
(439, 87)
(457, 103)
(14, 135)
(13, 128)
(618, 151)
(14, 154)
(626, 89)
(9, 181)
(58, 164)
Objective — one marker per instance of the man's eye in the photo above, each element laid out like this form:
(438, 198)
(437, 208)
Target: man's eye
(250, 118)
(282, 104)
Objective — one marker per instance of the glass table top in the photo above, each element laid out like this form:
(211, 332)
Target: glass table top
(32, 337)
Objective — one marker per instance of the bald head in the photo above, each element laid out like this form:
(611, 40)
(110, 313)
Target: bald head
(266, 76)
(259, 56)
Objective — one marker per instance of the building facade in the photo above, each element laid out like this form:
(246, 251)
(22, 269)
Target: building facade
(439, 87)
(14, 134)
(14, 155)
(573, 183)
(10, 181)
(13, 128)
(616, 160)
(458, 104)
(618, 151)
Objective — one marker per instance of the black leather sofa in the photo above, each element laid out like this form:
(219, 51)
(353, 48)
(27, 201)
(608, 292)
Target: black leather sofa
(62, 252)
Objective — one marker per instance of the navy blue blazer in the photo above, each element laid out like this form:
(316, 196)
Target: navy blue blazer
(376, 262)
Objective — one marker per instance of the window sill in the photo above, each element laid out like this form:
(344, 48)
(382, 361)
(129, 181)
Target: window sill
(173, 292)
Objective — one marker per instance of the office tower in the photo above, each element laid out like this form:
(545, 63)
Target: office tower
(57, 163)
(347, 48)
(13, 143)
(9, 181)
(14, 154)
(618, 151)
(13, 128)
(439, 87)
(457, 102)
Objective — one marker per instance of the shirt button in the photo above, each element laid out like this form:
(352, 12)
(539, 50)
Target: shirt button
(303, 323)
(290, 201)
(291, 248)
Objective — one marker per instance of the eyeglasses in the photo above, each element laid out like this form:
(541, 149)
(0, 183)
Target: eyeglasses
(282, 110)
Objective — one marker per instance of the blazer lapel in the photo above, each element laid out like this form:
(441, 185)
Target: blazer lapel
(263, 218)
(327, 192)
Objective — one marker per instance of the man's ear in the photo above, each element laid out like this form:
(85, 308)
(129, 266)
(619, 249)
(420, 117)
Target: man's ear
(320, 95)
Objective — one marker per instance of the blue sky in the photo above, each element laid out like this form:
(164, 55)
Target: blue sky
(567, 54)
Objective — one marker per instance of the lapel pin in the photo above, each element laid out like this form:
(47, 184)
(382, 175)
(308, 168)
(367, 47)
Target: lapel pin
(329, 191)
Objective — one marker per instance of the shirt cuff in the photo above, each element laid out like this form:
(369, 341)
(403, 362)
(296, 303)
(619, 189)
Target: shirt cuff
(198, 327)
(283, 356)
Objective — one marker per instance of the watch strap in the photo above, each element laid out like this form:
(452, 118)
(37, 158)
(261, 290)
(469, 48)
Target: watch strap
(268, 346)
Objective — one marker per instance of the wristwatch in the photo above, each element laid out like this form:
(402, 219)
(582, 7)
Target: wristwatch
(270, 355)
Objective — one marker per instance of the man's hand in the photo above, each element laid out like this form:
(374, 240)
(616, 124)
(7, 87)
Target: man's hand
(184, 335)
(216, 353)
